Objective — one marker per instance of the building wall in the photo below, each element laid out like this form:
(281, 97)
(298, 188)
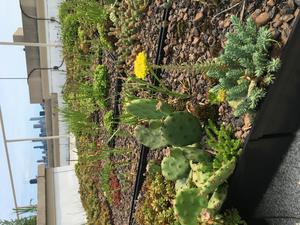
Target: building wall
(68, 207)
(32, 53)
(56, 78)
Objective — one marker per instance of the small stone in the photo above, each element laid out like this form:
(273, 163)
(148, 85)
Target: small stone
(297, 2)
(167, 49)
(227, 23)
(196, 40)
(185, 17)
(286, 10)
(272, 12)
(255, 13)
(285, 26)
(291, 4)
(247, 122)
(238, 134)
(195, 31)
(198, 16)
(297, 12)
(271, 3)
(288, 18)
(277, 23)
(262, 19)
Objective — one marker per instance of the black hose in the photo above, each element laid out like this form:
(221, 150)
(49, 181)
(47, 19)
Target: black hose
(47, 68)
(52, 19)
(145, 150)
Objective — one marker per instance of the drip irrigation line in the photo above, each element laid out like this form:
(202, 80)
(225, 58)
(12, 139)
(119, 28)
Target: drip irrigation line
(47, 68)
(145, 150)
(52, 19)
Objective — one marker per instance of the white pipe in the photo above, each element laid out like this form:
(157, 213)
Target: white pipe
(8, 163)
(37, 138)
(30, 44)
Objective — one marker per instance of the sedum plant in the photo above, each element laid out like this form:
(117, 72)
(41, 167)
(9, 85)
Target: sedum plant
(222, 143)
(100, 86)
(246, 69)
(155, 207)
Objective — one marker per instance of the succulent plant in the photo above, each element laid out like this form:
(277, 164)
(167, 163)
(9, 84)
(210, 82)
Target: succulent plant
(188, 206)
(216, 200)
(195, 154)
(181, 129)
(218, 177)
(175, 166)
(221, 141)
(148, 109)
(150, 137)
(181, 184)
(199, 178)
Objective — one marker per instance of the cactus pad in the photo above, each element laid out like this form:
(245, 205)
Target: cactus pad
(199, 178)
(195, 154)
(181, 185)
(175, 167)
(148, 109)
(151, 138)
(218, 177)
(181, 129)
(217, 199)
(188, 206)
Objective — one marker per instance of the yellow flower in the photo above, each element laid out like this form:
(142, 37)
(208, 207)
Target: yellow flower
(221, 95)
(140, 65)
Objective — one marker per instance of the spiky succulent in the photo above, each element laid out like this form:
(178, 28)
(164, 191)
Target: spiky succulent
(247, 67)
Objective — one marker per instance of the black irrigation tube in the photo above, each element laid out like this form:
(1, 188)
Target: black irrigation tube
(116, 105)
(145, 150)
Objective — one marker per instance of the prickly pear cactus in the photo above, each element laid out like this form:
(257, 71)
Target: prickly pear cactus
(218, 177)
(199, 178)
(195, 154)
(148, 109)
(181, 129)
(188, 206)
(217, 199)
(181, 185)
(175, 167)
(151, 138)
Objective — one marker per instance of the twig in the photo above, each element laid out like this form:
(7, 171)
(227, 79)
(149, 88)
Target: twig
(243, 10)
(226, 10)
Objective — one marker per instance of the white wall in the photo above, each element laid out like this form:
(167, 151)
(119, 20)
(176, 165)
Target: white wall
(57, 78)
(69, 210)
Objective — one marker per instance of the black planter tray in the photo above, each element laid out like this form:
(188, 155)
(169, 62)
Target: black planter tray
(265, 187)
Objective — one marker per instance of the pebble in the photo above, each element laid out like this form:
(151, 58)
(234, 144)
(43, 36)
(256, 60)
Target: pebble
(262, 19)
(227, 23)
(196, 40)
(198, 16)
(288, 18)
(272, 12)
(286, 10)
(291, 4)
(277, 23)
(297, 12)
(255, 13)
(271, 3)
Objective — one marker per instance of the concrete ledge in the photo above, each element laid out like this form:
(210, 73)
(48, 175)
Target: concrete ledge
(41, 195)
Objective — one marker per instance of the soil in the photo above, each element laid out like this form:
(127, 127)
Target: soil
(196, 32)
